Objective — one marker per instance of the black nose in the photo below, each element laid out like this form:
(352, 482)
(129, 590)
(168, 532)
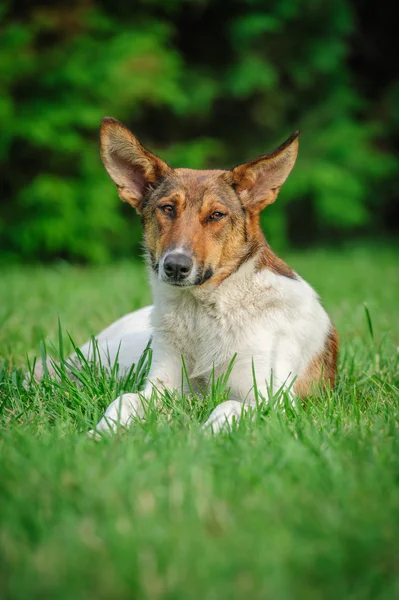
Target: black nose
(177, 266)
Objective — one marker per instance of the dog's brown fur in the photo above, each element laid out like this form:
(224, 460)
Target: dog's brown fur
(322, 369)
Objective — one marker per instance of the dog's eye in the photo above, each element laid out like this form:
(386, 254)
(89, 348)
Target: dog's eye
(167, 209)
(216, 216)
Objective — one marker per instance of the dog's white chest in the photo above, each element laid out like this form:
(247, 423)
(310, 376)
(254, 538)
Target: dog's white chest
(273, 324)
(247, 316)
(201, 335)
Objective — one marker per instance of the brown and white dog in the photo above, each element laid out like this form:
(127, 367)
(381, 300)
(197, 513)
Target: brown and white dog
(218, 288)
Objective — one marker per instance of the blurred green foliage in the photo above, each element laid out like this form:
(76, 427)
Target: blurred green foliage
(204, 84)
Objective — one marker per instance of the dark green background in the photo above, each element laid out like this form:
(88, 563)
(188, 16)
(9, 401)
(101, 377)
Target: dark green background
(203, 83)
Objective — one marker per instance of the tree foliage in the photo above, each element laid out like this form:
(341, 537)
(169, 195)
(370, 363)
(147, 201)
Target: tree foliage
(204, 83)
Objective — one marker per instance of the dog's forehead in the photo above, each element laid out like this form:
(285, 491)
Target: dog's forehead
(195, 185)
(200, 178)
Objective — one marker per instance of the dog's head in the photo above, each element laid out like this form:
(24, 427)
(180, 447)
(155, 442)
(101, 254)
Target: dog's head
(198, 225)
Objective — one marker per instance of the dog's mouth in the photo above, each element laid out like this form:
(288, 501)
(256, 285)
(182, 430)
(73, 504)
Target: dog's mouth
(203, 276)
(200, 278)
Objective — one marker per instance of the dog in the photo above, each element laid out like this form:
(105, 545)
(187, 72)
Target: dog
(219, 290)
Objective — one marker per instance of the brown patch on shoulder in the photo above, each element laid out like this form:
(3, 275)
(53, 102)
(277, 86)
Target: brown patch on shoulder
(268, 260)
(322, 370)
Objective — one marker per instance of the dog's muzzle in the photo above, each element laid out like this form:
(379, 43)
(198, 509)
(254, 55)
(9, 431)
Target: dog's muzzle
(177, 267)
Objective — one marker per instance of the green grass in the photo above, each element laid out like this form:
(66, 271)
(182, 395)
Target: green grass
(292, 505)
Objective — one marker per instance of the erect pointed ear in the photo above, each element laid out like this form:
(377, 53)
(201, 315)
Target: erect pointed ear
(133, 168)
(258, 182)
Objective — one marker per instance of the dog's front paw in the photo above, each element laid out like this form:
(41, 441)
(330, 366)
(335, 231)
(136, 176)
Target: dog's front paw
(224, 416)
(120, 413)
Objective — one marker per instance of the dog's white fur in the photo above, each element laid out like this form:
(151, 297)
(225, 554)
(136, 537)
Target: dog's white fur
(274, 324)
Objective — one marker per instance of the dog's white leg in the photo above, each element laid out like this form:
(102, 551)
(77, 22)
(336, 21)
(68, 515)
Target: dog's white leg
(223, 416)
(165, 373)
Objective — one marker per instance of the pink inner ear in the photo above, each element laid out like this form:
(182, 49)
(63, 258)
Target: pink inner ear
(137, 183)
(264, 184)
(132, 168)
(129, 177)
(259, 187)
(259, 181)
(263, 196)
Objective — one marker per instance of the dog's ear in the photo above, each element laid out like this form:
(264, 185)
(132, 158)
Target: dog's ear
(258, 182)
(133, 168)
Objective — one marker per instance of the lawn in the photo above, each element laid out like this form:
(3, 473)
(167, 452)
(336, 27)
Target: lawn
(295, 504)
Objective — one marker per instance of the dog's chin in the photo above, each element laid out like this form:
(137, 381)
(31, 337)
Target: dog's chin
(179, 284)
